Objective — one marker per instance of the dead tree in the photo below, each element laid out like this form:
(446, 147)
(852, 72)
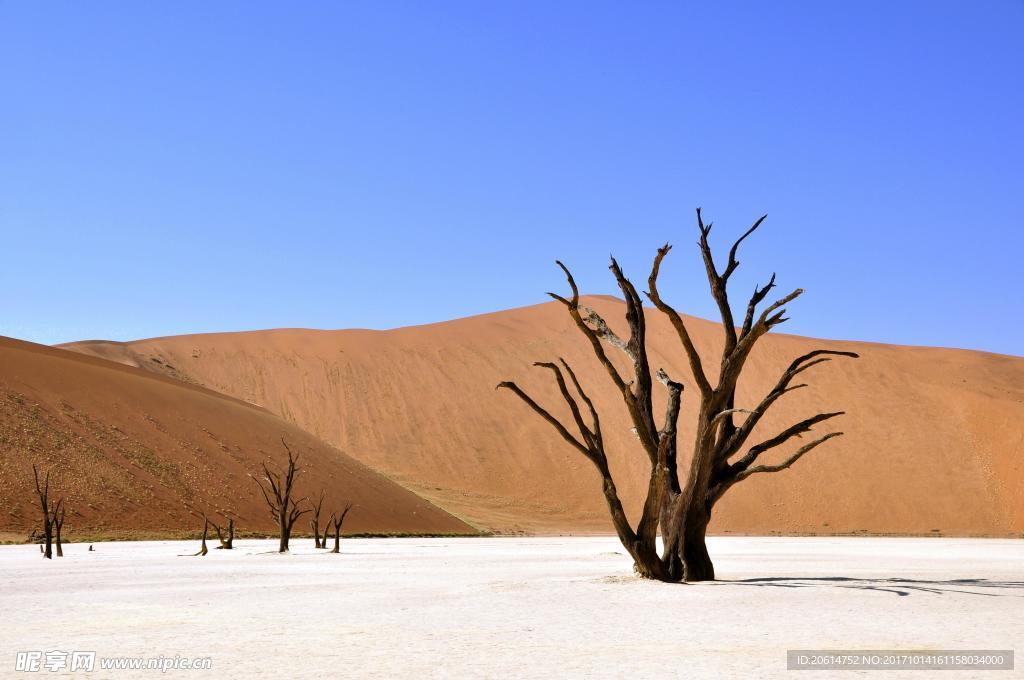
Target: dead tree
(228, 542)
(283, 509)
(206, 528)
(49, 511)
(336, 520)
(720, 455)
(58, 525)
(314, 522)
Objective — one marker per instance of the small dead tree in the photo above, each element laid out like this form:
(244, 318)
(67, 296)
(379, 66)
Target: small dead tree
(226, 538)
(314, 522)
(283, 508)
(336, 520)
(720, 457)
(49, 512)
(206, 528)
(58, 525)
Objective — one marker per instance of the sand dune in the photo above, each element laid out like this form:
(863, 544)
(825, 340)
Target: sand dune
(134, 451)
(934, 439)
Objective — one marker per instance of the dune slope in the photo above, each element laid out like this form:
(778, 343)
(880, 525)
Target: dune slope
(933, 436)
(137, 453)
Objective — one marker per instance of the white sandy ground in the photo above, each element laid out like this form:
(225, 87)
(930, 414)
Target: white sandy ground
(511, 607)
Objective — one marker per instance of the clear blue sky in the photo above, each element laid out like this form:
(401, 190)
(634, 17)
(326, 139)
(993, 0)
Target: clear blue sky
(185, 167)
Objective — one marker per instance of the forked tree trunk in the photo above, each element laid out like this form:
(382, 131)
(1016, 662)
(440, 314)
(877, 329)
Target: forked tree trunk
(229, 542)
(336, 520)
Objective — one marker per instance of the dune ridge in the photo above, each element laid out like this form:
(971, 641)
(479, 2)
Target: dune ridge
(933, 441)
(140, 454)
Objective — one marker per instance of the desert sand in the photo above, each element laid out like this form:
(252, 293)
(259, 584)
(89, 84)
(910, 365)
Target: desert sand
(511, 607)
(139, 454)
(934, 439)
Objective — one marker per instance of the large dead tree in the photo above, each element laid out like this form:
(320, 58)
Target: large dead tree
(53, 514)
(721, 456)
(283, 508)
(336, 521)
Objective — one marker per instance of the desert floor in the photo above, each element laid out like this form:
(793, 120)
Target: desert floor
(509, 607)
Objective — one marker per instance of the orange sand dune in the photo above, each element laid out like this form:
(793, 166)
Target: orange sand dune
(134, 451)
(934, 443)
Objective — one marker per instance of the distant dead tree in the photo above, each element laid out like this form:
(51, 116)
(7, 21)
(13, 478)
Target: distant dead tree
(226, 538)
(206, 528)
(314, 522)
(720, 455)
(53, 514)
(283, 509)
(58, 525)
(336, 521)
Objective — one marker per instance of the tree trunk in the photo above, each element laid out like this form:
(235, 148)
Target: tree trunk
(282, 546)
(48, 538)
(693, 551)
(203, 549)
(57, 545)
(647, 564)
(229, 542)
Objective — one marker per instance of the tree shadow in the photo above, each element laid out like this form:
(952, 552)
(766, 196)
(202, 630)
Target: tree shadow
(897, 586)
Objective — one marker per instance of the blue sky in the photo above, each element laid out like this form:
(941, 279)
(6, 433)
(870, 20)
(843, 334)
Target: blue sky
(184, 167)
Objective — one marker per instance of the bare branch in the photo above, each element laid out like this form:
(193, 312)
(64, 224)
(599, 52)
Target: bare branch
(596, 428)
(543, 413)
(789, 461)
(588, 436)
(595, 340)
(696, 367)
(728, 412)
(733, 262)
(792, 431)
(733, 444)
(759, 295)
(718, 284)
(600, 327)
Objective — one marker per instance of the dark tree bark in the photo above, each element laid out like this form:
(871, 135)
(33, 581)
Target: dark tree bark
(283, 508)
(681, 512)
(58, 525)
(336, 521)
(226, 538)
(314, 522)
